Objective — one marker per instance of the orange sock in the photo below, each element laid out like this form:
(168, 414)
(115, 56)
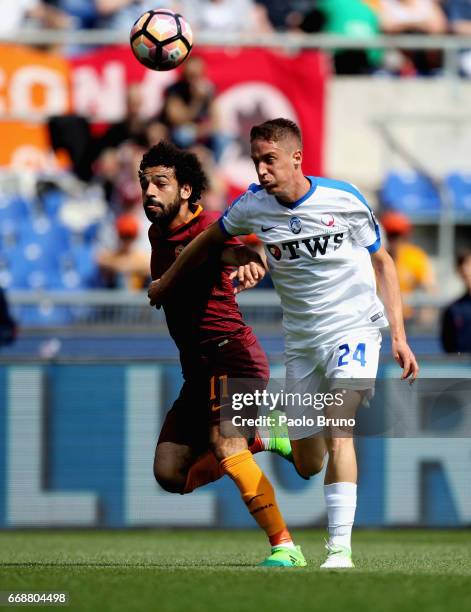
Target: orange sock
(256, 491)
(206, 469)
(280, 538)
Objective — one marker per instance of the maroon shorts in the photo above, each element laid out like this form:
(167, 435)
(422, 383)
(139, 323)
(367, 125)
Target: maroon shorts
(238, 365)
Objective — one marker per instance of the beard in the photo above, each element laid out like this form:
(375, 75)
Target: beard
(163, 215)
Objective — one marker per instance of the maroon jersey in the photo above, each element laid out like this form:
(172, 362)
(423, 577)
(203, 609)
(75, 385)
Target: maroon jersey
(202, 308)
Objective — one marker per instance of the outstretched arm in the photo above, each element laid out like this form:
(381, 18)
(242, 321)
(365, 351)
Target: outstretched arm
(208, 243)
(250, 266)
(390, 293)
(193, 255)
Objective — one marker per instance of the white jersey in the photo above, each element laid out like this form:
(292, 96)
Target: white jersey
(318, 250)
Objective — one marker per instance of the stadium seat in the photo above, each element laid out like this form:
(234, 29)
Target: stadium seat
(13, 208)
(14, 212)
(410, 193)
(44, 314)
(31, 264)
(39, 262)
(83, 257)
(5, 274)
(34, 255)
(8, 234)
(21, 265)
(90, 233)
(69, 280)
(459, 188)
(52, 236)
(52, 201)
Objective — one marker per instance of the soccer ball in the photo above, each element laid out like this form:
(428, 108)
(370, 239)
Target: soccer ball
(161, 39)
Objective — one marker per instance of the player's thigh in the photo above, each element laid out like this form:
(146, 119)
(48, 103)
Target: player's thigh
(303, 381)
(183, 437)
(236, 370)
(341, 419)
(351, 368)
(310, 453)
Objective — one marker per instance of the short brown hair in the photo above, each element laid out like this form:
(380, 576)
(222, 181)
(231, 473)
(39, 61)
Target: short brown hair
(275, 130)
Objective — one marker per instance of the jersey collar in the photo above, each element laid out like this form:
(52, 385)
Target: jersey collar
(307, 195)
(197, 212)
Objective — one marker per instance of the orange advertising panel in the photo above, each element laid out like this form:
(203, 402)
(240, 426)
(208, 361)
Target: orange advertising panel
(33, 85)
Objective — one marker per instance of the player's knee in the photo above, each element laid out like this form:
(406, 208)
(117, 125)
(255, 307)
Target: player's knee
(226, 447)
(310, 460)
(309, 468)
(169, 479)
(310, 464)
(318, 464)
(337, 444)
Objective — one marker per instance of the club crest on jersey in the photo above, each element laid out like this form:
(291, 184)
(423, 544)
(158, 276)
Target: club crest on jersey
(179, 249)
(275, 251)
(328, 220)
(295, 225)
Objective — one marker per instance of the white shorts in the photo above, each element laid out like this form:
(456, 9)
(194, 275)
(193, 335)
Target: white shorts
(350, 362)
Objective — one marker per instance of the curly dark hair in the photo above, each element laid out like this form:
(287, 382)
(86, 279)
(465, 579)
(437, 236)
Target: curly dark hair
(275, 130)
(187, 166)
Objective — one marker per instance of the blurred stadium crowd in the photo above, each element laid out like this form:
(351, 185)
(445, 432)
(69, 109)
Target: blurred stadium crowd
(50, 240)
(356, 18)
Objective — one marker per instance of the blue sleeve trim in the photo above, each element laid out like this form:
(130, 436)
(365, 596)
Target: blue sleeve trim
(223, 227)
(378, 233)
(239, 198)
(342, 186)
(375, 246)
(254, 188)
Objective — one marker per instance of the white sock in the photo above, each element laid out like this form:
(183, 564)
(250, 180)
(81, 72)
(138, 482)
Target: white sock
(341, 503)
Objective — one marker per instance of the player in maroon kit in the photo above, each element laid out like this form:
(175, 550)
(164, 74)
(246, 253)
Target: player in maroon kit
(196, 444)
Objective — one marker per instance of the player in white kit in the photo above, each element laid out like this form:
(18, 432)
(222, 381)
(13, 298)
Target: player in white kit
(323, 249)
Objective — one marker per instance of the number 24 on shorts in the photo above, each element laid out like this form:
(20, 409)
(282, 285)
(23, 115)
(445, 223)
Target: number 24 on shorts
(358, 354)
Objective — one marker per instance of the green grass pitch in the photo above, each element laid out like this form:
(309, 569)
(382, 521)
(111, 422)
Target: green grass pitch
(213, 571)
